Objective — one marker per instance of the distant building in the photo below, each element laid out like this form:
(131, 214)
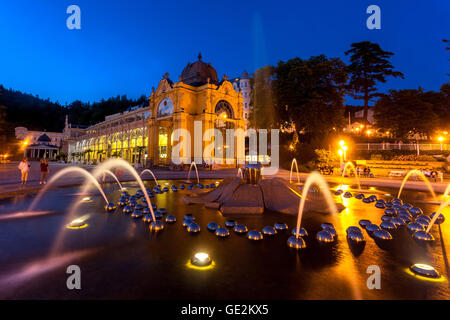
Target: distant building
(143, 134)
(31, 137)
(243, 85)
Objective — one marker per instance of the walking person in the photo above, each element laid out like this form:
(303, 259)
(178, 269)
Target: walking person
(44, 172)
(24, 167)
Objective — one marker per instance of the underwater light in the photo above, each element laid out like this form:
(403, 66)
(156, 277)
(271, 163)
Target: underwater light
(201, 259)
(424, 270)
(86, 199)
(77, 224)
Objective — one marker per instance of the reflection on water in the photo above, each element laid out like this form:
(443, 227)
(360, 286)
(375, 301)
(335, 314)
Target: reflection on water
(134, 263)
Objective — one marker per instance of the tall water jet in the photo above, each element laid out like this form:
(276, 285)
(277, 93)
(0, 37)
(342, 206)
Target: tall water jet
(294, 161)
(196, 171)
(350, 164)
(444, 204)
(62, 173)
(315, 178)
(151, 172)
(424, 178)
(115, 178)
(114, 163)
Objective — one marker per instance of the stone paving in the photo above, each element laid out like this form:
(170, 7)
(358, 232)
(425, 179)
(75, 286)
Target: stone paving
(10, 178)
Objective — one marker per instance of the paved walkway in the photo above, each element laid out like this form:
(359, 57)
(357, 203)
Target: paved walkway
(10, 178)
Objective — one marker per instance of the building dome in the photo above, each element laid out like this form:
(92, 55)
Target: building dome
(245, 75)
(44, 138)
(197, 74)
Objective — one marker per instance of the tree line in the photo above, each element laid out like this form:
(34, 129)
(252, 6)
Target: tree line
(310, 93)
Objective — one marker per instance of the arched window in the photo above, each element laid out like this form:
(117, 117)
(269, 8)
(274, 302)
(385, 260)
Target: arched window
(224, 110)
(165, 108)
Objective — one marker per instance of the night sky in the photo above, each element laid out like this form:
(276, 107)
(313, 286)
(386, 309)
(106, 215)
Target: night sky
(124, 47)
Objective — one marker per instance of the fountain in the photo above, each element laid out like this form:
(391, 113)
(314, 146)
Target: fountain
(115, 177)
(196, 171)
(151, 172)
(424, 178)
(62, 173)
(350, 164)
(292, 168)
(317, 178)
(444, 204)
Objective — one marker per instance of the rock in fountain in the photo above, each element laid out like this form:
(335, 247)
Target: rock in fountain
(110, 207)
(367, 200)
(324, 237)
(382, 235)
(371, 228)
(414, 227)
(389, 204)
(132, 203)
(189, 217)
(424, 217)
(222, 232)
(326, 225)
(355, 236)
(360, 196)
(386, 218)
(301, 232)
(347, 195)
(240, 229)
(338, 192)
(281, 226)
(156, 226)
(193, 228)
(380, 205)
(138, 207)
(405, 216)
(158, 214)
(354, 229)
(269, 231)
(187, 222)
(230, 223)
(212, 226)
(422, 236)
(171, 219)
(396, 207)
(146, 211)
(390, 212)
(387, 225)
(364, 223)
(136, 214)
(332, 231)
(406, 206)
(147, 218)
(128, 209)
(440, 219)
(254, 235)
(414, 211)
(296, 242)
(398, 222)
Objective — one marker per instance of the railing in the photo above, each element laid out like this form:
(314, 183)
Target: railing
(402, 146)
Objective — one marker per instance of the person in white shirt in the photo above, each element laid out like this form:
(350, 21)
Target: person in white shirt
(24, 167)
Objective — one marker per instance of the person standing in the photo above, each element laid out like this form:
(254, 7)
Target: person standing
(24, 167)
(44, 171)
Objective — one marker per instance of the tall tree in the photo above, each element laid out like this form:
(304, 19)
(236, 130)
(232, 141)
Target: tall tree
(262, 113)
(310, 94)
(405, 112)
(369, 65)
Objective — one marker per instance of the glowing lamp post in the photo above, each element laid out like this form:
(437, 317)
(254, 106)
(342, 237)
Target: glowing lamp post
(441, 139)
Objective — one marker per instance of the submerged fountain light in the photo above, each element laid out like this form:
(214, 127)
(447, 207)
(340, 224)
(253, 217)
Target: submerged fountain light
(156, 226)
(424, 270)
(201, 259)
(77, 224)
(86, 199)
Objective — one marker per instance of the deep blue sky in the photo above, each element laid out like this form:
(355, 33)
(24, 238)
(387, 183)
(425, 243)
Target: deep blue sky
(124, 47)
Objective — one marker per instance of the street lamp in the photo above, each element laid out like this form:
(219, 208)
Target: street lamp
(440, 140)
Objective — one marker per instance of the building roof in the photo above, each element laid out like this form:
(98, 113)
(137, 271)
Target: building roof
(198, 73)
(44, 138)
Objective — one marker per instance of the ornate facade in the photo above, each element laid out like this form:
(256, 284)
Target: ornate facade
(145, 135)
